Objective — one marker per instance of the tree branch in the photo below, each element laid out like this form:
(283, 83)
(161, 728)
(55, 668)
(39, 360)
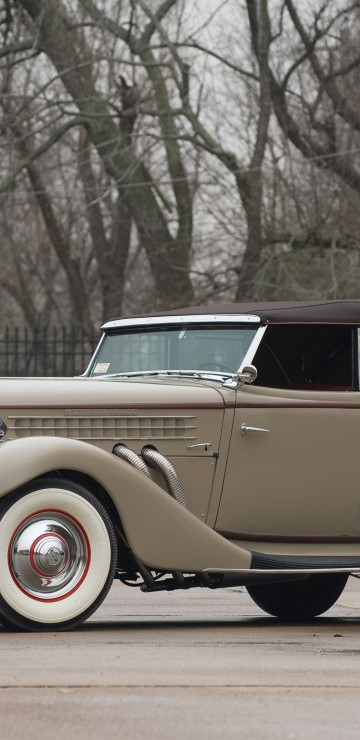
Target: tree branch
(18, 46)
(338, 100)
(8, 183)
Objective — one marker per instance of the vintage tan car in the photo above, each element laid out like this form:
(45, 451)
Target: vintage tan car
(208, 447)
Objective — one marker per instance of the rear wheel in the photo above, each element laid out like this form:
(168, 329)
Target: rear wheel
(299, 600)
(58, 555)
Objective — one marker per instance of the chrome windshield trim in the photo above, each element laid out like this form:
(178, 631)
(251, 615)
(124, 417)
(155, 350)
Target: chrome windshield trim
(191, 319)
(86, 372)
(234, 319)
(249, 357)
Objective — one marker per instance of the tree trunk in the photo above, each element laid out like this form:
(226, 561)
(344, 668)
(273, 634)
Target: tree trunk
(166, 257)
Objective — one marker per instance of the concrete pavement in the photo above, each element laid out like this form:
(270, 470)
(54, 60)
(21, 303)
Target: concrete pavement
(197, 664)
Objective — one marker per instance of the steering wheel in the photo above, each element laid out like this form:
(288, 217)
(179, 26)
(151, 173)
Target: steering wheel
(216, 366)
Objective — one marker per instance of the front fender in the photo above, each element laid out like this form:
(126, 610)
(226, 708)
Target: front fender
(161, 533)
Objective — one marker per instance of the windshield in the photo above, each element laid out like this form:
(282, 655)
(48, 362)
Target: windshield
(219, 348)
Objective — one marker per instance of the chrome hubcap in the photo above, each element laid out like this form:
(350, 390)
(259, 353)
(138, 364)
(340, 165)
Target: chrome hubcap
(49, 555)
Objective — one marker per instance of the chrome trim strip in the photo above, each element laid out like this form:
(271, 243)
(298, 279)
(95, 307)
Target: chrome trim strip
(279, 571)
(102, 416)
(191, 319)
(85, 374)
(248, 359)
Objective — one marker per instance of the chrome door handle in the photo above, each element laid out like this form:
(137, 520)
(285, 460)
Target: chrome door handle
(244, 429)
(206, 445)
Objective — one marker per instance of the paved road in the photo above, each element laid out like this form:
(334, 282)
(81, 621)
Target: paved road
(200, 664)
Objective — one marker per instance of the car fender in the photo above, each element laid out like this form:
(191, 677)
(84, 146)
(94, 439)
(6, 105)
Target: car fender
(161, 533)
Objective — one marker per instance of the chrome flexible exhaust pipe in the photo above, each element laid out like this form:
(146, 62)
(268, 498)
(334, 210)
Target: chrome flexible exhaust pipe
(168, 472)
(131, 457)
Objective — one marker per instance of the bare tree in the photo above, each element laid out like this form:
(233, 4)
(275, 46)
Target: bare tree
(177, 153)
(139, 198)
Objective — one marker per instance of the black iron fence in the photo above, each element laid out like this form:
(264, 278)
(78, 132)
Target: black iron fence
(52, 351)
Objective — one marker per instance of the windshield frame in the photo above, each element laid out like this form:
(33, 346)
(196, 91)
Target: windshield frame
(115, 326)
(148, 321)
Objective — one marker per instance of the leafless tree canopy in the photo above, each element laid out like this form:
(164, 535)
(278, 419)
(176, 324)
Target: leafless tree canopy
(158, 153)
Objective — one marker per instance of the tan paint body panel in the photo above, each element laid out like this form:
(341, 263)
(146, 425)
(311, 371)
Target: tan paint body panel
(277, 397)
(104, 413)
(196, 475)
(254, 489)
(173, 417)
(161, 533)
(77, 392)
(299, 480)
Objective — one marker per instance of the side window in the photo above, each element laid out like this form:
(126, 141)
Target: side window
(307, 356)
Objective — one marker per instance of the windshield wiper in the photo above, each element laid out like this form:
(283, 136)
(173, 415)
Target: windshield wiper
(172, 373)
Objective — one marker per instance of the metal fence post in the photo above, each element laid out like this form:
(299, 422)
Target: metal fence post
(50, 352)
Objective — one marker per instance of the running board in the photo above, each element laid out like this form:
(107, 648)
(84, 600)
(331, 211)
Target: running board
(346, 563)
(245, 577)
(275, 568)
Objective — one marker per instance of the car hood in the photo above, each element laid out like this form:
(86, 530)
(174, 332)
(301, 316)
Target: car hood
(89, 392)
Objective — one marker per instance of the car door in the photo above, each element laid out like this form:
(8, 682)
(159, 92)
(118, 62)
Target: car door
(293, 467)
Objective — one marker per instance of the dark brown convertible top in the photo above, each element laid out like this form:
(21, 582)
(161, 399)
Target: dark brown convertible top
(280, 312)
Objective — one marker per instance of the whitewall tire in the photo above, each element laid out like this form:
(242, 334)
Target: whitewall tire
(58, 555)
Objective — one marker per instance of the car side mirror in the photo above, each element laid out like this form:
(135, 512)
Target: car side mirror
(248, 374)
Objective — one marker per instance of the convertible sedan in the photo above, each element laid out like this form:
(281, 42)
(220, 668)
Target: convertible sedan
(205, 447)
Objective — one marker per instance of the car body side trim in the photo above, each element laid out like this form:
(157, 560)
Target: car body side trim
(265, 572)
(296, 539)
(297, 403)
(260, 560)
(116, 406)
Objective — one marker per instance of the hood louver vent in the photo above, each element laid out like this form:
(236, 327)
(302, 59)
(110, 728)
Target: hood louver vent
(104, 427)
